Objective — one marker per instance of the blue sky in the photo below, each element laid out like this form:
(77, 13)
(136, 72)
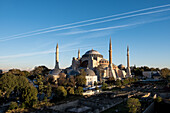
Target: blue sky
(30, 30)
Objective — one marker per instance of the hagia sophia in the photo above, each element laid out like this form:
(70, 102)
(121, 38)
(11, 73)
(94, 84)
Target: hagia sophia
(97, 68)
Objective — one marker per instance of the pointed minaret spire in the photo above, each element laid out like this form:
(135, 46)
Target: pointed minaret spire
(79, 54)
(128, 64)
(110, 52)
(128, 57)
(57, 57)
(57, 53)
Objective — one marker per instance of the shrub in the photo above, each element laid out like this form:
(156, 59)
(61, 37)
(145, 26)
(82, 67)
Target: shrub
(61, 91)
(13, 105)
(79, 90)
(133, 104)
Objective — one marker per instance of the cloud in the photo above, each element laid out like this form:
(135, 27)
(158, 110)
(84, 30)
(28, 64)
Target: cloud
(74, 23)
(114, 27)
(44, 52)
(92, 23)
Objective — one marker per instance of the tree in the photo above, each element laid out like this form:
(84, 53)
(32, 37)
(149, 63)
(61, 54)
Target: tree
(40, 70)
(165, 72)
(95, 83)
(125, 82)
(80, 80)
(47, 90)
(71, 81)
(118, 83)
(62, 81)
(159, 99)
(13, 105)
(133, 104)
(111, 80)
(71, 91)
(79, 90)
(8, 83)
(29, 95)
(61, 91)
(104, 86)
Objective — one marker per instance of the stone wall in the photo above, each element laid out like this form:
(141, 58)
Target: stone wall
(150, 108)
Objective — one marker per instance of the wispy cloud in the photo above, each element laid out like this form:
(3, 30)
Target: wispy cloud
(74, 23)
(27, 54)
(43, 52)
(114, 27)
(92, 23)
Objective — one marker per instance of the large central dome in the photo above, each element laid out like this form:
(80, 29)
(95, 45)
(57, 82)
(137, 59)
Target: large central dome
(92, 53)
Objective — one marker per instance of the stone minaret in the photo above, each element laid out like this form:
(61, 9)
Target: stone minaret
(110, 53)
(57, 57)
(128, 65)
(79, 54)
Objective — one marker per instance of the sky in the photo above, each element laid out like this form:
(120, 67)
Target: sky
(31, 29)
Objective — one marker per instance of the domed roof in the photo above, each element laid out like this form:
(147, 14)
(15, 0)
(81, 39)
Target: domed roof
(121, 66)
(104, 60)
(74, 72)
(92, 52)
(55, 71)
(89, 72)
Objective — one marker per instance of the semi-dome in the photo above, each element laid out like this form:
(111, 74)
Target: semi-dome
(103, 61)
(89, 72)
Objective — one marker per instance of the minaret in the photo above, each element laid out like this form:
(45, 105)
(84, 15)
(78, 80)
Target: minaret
(111, 71)
(79, 54)
(110, 53)
(57, 57)
(128, 65)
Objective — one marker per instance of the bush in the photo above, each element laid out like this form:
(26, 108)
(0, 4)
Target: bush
(158, 99)
(118, 83)
(104, 86)
(13, 105)
(79, 90)
(71, 91)
(133, 104)
(61, 91)
(23, 105)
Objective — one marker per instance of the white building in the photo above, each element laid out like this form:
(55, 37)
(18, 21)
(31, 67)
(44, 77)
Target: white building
(91, 78)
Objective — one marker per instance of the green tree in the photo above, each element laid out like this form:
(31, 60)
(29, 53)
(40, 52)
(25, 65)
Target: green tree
(71, 81)
(95, 83)
(61, 91)
(13, 105)
(159, 99)
(25, 73)
(29, 95)
(104, 86)
(8, 83)
(62, 81)
(133, 104)
(48, 90)
(80, 80)
(71, 91)
(40, 70)
(165, 72)
(125, 82)
(118, 83)
(79, 90)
